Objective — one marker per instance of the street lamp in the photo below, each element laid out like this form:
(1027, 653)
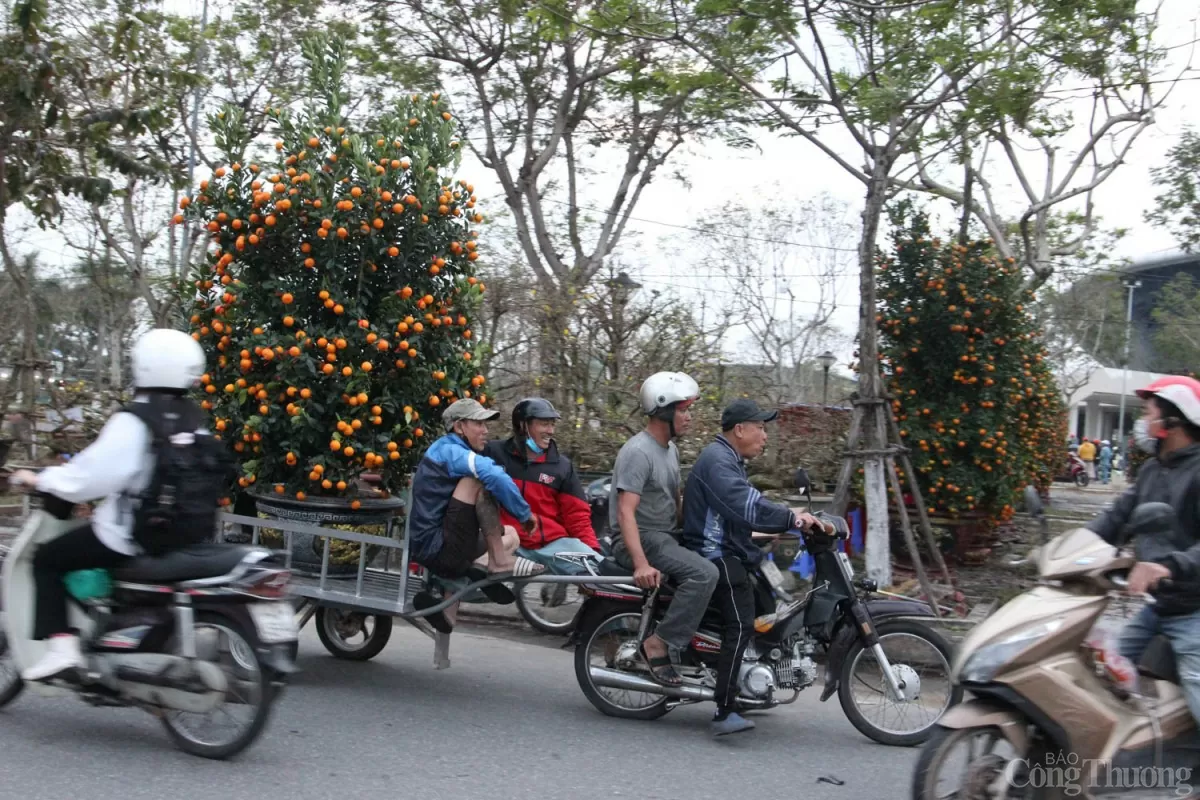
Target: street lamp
(826, 360)
(623, 287)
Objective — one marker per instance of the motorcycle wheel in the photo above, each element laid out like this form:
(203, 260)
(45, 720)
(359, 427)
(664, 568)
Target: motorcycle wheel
(1081, 480)
(11, 684)
(549, 607)
(249, 688)
(971, 775)
(601, 643)
(902, 644)
(339, 631)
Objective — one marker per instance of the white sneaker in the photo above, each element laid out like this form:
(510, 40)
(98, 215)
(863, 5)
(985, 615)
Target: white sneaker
(62, 655)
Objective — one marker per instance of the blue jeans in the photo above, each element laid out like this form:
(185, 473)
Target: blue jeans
(545, 555)
(1184, 633)
(1105, 471)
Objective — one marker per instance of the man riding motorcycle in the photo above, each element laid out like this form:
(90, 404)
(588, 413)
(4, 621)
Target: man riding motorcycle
(548, 482)
(644, 505)
(1170, 430)
(721, 511)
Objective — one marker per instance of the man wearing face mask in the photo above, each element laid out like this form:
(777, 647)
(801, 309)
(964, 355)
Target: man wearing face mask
(549, 483)
(1170, 431)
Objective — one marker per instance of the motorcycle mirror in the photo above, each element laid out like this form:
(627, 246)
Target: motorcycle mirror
(802, 482)
(1150, 518)
(1033, 502)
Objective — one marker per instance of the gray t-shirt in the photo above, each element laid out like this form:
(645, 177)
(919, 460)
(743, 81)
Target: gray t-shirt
(650, 470)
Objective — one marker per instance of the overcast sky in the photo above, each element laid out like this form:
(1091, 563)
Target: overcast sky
(661, 253)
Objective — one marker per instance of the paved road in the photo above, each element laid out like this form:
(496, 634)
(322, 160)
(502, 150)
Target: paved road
(505, 722)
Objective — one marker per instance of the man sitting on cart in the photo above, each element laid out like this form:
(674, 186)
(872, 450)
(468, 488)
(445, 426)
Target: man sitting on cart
(455, 518)
(548, 482)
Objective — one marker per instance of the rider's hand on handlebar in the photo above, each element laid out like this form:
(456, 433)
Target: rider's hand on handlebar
(1145, 576)
(807, 522)
(23, 479)
(646, 577)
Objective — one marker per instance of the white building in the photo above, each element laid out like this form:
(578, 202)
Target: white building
(1099, 401)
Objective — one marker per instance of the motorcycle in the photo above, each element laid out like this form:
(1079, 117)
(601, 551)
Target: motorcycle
(880, 654)
(201, 638)
(1075, 471)
(553, 607)
(1048, 717)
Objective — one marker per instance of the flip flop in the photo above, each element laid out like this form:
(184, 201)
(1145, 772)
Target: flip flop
(424, 600)
(522, 568)
(498, 593)
(668, 676)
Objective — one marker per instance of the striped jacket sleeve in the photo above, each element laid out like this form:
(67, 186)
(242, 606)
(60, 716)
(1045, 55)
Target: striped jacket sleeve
(733, 497)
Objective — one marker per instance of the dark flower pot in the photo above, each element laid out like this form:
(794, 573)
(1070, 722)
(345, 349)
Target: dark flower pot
(306, 549)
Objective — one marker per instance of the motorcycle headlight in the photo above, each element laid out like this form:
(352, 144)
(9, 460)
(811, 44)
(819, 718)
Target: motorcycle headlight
(982, 665)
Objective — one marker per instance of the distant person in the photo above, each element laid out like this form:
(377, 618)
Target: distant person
(1087, 454)
(1105, 461)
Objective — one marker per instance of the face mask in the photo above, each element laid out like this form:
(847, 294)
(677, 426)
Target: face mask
(1142, 437)
(533, 446)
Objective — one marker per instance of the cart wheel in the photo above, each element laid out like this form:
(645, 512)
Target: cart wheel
(353, 635)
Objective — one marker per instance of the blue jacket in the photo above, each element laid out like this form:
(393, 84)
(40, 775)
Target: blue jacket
(446, 462)
(721, 508)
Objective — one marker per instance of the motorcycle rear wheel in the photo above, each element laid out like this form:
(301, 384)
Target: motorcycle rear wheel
(601, 641)
(983, 767)
(249, 686)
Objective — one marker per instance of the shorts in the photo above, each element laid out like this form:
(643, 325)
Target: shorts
(462, 541)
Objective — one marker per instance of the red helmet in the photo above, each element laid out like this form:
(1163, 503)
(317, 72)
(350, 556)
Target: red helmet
(1180, 391)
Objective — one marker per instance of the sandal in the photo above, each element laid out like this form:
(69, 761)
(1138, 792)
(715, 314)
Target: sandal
(424, 600)
(498, 593)
(661, 669)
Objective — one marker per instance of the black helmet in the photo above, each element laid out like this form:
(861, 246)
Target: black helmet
(531, 408)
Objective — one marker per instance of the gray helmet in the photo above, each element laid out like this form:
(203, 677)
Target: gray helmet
(531, 408)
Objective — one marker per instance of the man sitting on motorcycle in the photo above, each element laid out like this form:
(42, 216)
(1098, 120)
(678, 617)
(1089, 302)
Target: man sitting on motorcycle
(721, 511)
(644, 504)
(118, 466)
(1170, 430)
(548, 482)
(455, 519)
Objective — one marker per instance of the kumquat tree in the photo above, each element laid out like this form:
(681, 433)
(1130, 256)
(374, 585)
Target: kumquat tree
(335, 303)
(967, 372)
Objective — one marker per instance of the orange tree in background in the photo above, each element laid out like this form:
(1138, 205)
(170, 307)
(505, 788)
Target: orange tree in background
(335, 302)
(972, 390)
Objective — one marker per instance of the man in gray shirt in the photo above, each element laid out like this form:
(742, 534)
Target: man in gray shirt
(644, 506)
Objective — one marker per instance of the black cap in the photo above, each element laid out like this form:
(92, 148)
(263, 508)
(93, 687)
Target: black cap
(745, 411)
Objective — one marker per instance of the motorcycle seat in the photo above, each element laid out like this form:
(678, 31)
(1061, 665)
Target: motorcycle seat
(188, 563)
(1158, 661)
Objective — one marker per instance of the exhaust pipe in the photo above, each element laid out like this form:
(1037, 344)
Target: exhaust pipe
(613, 679)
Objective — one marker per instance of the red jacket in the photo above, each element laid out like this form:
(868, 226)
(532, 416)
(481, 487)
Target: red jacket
(552, 489)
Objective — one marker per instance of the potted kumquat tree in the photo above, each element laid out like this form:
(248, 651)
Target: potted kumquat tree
(336, 298)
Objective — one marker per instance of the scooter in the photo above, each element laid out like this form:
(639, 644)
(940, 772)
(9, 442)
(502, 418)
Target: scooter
(1074, 472)
(201, 638)
(1047, 718)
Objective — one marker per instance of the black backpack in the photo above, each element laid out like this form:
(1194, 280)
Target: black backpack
(191, 473)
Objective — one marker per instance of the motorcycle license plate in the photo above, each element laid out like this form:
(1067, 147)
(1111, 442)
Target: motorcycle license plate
(772, 574)
(275, 622)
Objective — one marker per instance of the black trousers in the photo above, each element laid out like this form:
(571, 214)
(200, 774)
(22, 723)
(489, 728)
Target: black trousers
(75, 550)
(734, 598)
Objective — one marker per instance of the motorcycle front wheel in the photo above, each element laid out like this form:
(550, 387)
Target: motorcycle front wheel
(235, 723)
(549, 607)
(10, 677)
(980, 764)
(612, 644)
(920, 657)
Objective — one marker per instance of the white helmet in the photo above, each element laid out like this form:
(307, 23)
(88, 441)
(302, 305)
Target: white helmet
(167, 359)
(663, 390)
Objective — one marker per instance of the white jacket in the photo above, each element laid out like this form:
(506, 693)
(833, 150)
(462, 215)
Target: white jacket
(118, 462)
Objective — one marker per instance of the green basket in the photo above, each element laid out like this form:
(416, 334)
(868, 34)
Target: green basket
(89, 584)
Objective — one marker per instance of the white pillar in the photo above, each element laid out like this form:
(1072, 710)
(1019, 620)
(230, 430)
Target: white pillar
(1091, 419)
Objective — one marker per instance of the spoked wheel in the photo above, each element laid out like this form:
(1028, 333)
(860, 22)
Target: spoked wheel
(1081, 480)
(613, 644)
(972, 764)
(237, 721)
(920, 659)
(10, 677)
(352, 635)
(549, 607)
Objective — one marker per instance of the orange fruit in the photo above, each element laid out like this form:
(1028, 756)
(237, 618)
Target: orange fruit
(366, 366)
(327, 369)
(348, 451)
(279, 488)
(356, 505)
(418, 433)
(434, 400)
(393, 251)
(338, 309)
(306, 393)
